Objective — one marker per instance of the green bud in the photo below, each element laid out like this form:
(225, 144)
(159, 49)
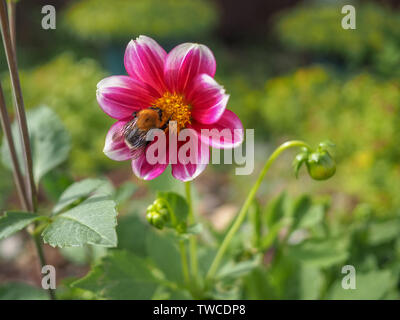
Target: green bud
(164, 213)
(150, 208)
(157, 220)
(149, 217)
(321, 165)
(159, 205)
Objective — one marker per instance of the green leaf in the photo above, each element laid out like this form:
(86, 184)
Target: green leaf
(194, 229)
(125, 192)
(369, 286)
(50, 142)
(271, 236)
(300, 209)
(254, 215)
(21, 291)
(276, 209)
(313, 216)
(311, 282)
(163, 251)
(381, 232)
(86, 254)
(132, 232)
(91, 222)
(319, 252)
(12, 222)
(120, 275)
(232, 270)
(177, 204)
(78, 191)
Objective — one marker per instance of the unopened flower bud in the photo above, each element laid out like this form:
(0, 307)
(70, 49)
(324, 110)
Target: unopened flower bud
(155, 219)
(320, 165)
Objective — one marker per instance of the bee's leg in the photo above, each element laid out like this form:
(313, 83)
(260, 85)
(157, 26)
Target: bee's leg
(134, 114)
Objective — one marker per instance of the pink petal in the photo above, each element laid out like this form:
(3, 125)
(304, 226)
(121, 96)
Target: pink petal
(207, 98)
(144, 61)
(185, 62)
(144, 170)
(228, 126)
(120, 96)
(115, 147)
(190, 170)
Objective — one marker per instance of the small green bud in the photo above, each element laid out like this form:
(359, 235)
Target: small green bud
(150, 208)
(149, 217)
(321, 165)
(164, 213)
(158, 205)
(157, 220)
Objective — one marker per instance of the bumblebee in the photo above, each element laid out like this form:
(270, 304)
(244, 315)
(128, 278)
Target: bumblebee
(137, 132)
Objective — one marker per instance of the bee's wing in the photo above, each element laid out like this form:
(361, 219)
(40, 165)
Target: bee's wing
(139, 145)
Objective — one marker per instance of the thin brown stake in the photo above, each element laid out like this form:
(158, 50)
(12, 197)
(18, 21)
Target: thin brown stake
(11, 5)
(6, 125)
(19, 105)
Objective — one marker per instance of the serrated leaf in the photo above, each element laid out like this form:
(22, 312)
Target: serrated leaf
(120, 275)
(50, 142)
(78, 191)
(91, 222)
(14, 221)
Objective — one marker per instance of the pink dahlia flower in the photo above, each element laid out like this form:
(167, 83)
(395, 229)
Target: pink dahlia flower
(179, 83)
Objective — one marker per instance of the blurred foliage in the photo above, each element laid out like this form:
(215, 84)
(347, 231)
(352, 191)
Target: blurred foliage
(121, 20)
(68, 87)
(6, 184)
(361, 114)
(292, 248)
(305, 246)
(318, 29)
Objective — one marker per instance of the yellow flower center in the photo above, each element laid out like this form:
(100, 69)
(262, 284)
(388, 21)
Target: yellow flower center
(174, 108)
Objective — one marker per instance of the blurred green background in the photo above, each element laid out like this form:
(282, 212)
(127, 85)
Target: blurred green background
(292, 73)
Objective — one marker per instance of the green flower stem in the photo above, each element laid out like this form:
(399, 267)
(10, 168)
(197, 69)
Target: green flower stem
(39, 249)
(192, 240)
(242, 214)
(185, 268)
